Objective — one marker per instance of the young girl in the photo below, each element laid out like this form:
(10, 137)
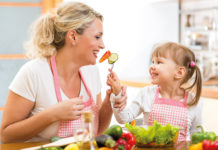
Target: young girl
(174, 96)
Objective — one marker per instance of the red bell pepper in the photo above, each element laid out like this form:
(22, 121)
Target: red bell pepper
(130, 139)
(121, 144)
(209, 145)
(105, 56)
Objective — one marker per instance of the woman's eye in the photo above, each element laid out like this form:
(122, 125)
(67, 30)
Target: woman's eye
(159, 62)
(97, 37)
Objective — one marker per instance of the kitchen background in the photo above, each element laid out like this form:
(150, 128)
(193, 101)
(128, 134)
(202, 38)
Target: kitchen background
(131, 28)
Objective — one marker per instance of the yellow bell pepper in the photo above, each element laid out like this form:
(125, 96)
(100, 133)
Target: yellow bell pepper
(196, 147)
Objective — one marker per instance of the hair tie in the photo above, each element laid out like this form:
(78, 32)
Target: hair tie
(192, 64)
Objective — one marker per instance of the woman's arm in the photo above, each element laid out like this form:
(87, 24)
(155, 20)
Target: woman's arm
(18, 126)
(15, 125)
(105, 110)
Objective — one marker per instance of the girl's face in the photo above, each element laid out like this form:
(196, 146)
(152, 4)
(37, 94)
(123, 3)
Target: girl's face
(90, 42)
(162, 70)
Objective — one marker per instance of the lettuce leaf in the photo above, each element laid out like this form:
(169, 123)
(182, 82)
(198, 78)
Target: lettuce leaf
(156, 133)
(142, 135)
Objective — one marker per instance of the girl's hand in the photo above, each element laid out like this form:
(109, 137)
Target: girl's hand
(121, 102)
(114, 82)
(71, 109)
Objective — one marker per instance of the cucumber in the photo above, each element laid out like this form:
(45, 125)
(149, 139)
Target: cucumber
(115, 131)
(105, 140)
(112, 58)
(55, 138)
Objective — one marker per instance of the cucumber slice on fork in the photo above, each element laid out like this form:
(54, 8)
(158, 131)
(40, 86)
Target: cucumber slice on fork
(112, 58)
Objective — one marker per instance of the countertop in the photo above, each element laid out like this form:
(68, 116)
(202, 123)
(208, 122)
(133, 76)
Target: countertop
(209, 90)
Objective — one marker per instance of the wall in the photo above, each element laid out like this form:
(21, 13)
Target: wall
(16, 17)
(210, 121)
(131, 29)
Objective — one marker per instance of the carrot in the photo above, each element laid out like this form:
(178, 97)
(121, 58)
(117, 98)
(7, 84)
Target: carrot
(105, 56)
(105, 148)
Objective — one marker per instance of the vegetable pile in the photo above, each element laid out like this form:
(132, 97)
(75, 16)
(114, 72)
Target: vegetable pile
(204, 140)
(205, 145)
(200, 136)
(115, 139)
(154, 135)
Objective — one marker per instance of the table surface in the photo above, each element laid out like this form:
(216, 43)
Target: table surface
(18, 146)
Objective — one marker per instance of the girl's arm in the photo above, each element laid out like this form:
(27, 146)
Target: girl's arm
(128, 113)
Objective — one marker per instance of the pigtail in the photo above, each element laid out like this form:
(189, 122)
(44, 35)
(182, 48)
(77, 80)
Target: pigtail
(197, 85)
(42, 37)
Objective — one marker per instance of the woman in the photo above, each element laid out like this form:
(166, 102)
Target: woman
(49, 94)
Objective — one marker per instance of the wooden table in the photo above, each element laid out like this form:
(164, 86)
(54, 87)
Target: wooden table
(18, 146)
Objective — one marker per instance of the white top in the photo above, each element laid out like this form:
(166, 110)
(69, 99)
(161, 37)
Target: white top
(142, 104)
(34, 81)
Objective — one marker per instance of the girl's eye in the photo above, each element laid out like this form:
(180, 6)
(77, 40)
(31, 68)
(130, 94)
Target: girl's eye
(159, 62)
(152, 62)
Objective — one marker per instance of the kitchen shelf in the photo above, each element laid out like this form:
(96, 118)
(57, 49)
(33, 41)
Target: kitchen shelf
(199, 26)
(191, 11)
(199, 32)
(201, 29)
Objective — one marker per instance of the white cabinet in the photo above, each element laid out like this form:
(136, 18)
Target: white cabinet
(199, 32)
(199, 28)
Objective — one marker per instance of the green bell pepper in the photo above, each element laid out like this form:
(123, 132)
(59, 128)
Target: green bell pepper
(198, 137)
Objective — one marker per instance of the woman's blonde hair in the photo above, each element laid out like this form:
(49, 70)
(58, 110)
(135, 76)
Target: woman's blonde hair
(49, 31)
(182, 56)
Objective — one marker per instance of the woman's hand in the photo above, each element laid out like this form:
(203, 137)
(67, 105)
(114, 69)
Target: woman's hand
(121, 102)
(71, 109)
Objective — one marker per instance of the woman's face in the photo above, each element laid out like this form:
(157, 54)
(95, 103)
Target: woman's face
(89, 43)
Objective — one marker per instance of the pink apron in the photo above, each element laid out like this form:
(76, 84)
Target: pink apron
(67, 128)
(170, 111)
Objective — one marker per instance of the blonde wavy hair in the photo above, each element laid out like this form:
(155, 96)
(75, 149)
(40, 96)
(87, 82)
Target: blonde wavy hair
(48, 31)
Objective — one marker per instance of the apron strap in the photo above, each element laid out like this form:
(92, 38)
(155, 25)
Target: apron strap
(157, 92)
(185, 98)
(57, 85)
(90, 101)
(56, 81)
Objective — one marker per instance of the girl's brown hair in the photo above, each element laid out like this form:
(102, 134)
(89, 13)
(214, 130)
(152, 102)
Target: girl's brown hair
(49, 31)
(183, 56)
